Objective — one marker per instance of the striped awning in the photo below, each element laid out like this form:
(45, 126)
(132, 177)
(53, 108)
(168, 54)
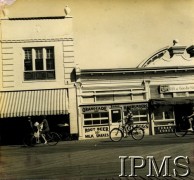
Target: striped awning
(33, 103)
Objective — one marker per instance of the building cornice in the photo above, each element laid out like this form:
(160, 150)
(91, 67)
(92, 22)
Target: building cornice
(135, 70)
(36, 40)
(35, 18)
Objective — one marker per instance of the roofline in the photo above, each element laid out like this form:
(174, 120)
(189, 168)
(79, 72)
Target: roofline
(36, 18)
(134, 70)
(145, 61)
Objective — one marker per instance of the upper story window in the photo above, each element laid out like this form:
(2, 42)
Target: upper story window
(39, 63)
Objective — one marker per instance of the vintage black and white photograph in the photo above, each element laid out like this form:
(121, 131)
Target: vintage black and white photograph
(96, 89)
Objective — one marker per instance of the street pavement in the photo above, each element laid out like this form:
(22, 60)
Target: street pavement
(95, 159)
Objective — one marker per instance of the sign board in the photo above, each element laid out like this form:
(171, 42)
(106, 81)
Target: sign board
(96, 132)
(94, 109)
(176, 88)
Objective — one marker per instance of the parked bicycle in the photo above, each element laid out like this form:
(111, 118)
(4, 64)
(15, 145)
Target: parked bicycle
(137, 133)
(32, 139)
(181, 128)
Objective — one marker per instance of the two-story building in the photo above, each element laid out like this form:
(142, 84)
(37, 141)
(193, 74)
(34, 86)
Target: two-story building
(37, 73)
(159, 91)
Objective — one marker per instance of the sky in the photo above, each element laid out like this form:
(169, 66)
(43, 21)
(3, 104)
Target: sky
(117, 33)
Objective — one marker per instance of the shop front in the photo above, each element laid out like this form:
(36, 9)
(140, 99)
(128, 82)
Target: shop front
(172, 103)
(98, 121)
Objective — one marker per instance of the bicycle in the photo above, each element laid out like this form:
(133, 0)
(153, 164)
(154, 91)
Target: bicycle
(33, 139)
(116, 134)
(180, 129)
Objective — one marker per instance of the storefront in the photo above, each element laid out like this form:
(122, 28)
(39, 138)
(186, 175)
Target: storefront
(174, 101)
(103, 102)
(99, 120)
(159, 92)
(37, 74)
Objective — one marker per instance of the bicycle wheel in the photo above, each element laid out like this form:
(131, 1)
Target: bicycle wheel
(180, 133)
(116, 134)
(52, 138)
(137, 133)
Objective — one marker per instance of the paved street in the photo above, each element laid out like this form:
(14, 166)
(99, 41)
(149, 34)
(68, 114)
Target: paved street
(93, 159)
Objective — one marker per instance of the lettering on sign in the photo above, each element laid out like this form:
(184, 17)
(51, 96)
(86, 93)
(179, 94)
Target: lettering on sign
(176, 88)
(96, 132)
(144, 126)
(136, 106)
(94, 109)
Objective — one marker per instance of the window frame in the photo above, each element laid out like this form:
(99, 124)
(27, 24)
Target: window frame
(39, 70)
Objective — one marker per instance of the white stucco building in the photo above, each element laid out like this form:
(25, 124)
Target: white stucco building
(37, 70)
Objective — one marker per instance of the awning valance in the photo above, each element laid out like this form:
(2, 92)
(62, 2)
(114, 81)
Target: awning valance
(172, 101)
(33, 103)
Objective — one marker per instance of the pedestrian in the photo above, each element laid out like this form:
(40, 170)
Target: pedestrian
(44, 128)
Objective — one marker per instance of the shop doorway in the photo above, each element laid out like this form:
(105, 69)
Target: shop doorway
(115, 115)
(181, 110)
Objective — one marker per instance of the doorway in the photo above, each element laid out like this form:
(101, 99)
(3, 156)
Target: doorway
(181, 110)
(115, 116)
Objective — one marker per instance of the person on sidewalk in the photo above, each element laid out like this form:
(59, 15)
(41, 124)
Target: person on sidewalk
(190, 119)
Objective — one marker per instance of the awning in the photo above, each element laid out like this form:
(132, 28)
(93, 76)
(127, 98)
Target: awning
(33, 103)
(172, 101)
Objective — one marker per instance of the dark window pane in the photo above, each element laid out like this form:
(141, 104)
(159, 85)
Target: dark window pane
(39, 64)
(86, 116)
(143, 118)
(96, 122)
(87, 122)
(50, 74)
(50, 64)
(96, 115)
(28, 64)
(41, 75)
(104, 121)
(28, 76)
(104, 114)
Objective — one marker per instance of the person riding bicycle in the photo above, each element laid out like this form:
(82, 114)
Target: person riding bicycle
(44, 128)
(190, 119)
(129, 117)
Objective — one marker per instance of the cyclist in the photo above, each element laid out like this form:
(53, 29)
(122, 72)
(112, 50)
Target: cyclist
(129, 117)
(44, 128)
(190, 119)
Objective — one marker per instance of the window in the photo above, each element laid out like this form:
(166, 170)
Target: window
(99, 118)
(28, 59)
(163, 113)
(140, 112)
(39, 63)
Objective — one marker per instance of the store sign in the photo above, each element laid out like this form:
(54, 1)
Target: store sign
(164, 129)
(96, 132)
(137, 106)
(176, 88)
(94, 109)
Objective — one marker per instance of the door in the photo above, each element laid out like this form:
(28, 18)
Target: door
(115, 116)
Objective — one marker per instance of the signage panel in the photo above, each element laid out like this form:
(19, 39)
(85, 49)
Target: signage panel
(176, 88)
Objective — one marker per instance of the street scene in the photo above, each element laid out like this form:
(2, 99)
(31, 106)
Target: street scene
(96, 90)
(95, 159)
